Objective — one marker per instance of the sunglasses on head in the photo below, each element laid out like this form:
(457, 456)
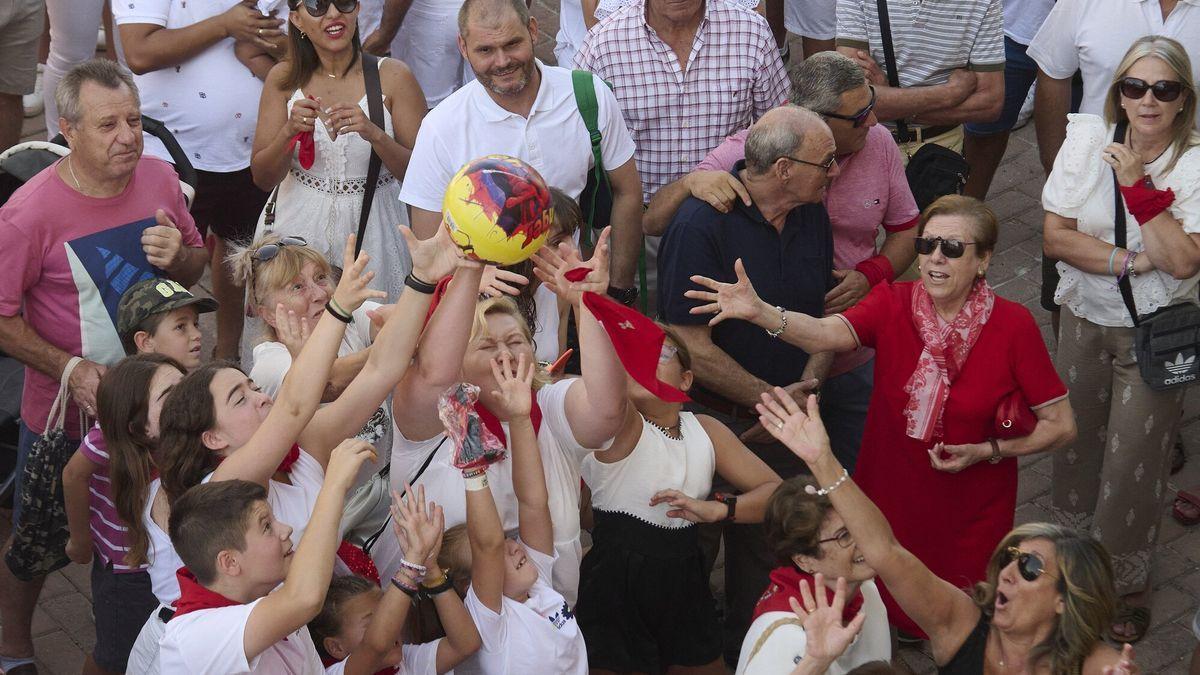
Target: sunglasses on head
(268, 251)
(951, 248)
(1028, 564)
(321, 7)
(859, 118)
(1164, 90)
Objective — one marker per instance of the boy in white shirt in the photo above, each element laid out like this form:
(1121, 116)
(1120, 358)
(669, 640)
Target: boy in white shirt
(233, 614)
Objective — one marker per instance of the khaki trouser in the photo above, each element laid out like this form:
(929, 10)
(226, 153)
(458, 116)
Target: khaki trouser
(1113, 479)
(953, 140)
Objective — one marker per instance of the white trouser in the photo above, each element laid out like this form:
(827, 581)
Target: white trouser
(143, 658)
(427, 43)
(73, 28)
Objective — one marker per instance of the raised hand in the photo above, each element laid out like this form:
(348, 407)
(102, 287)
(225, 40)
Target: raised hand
(291, 330)
(728, 301)
(345, 461)
(162, 242)
(1126, 666)
(418, 526)
(691, 510)
(514, 399)
(800, 430)
(434, 258)
(826, 638)
(353, 288)
(497, 282)
(551, 267)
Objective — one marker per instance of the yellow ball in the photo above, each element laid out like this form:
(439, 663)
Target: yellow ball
(498, 209)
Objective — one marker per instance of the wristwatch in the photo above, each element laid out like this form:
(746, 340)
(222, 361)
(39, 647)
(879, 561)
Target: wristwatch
(730, 501)
(625, 296)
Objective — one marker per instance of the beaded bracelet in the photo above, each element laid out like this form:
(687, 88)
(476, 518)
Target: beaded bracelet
(411, 591)
(418, 570)
(824, 491)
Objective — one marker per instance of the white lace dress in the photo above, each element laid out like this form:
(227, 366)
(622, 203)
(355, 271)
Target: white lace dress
(1081, 187)
(323, 203)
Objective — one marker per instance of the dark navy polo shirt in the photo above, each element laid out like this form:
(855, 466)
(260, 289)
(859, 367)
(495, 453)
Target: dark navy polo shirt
(792, 269)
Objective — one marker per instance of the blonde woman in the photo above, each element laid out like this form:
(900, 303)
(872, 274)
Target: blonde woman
(1112, 480)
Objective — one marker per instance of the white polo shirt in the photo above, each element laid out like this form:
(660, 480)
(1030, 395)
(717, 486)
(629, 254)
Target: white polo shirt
(468, 124)
(1093, 36)
(211, 641)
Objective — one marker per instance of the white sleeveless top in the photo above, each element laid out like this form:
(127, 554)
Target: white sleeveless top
(656, 463)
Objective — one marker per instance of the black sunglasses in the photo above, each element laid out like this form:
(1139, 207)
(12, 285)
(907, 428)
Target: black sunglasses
(268, 251)
(321, 7)
(843, 539)
(951, 248)
(859, 118)
(1028, 564)
(826, 165)
(1164, 90)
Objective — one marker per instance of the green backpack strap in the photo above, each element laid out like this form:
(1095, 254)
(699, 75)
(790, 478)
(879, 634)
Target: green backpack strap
(583, 83)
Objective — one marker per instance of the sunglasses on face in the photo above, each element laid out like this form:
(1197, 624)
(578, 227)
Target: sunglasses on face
(1028, 564)
(1164, 90)
(843, 538)
(859, 118)
(951, 248)
(268, 251)
(318, 8)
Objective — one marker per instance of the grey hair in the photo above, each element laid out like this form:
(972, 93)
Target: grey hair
(490, 9)
(104, 72)
(780, 132)
(820, 80)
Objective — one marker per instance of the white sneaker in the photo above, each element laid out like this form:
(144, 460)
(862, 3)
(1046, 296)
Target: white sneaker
(1026, 109)
(34, 105)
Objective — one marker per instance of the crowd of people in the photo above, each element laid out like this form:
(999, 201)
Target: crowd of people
(760, 331)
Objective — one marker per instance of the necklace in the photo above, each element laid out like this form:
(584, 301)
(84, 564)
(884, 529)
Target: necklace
(71, 168)
(673, 432)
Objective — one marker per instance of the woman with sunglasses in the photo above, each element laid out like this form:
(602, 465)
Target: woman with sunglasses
(1111, 479)
(1042, 607)
(949, 352)
(315, 138)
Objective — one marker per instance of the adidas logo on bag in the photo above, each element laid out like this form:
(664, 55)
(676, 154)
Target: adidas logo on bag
(1179, 368)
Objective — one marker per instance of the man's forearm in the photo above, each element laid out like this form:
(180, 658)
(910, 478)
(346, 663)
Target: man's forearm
(663, 206)
(1052, 102)
(981, 106)
(818, 367)
(190, 267)
(893, 103)
(626, 238)
(720, 374)
(394, 12)
(21, 342)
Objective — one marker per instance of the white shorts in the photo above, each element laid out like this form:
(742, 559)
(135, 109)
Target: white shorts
(427, 43)
(143, 658)
(816, 19)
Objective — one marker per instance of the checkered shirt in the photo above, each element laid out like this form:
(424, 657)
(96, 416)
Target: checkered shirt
(733, 76)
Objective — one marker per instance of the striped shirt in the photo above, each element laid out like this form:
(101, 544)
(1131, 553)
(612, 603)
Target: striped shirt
(109, 533)
(678, 116)
(930, 37)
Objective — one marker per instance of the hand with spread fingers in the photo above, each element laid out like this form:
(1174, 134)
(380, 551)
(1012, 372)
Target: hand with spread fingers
(514, 398)
(727, 301)
(826, 637)
(551, 267)
(800, 430)
(418, 525)
(353, 288)
(497, 282)
(291, 330)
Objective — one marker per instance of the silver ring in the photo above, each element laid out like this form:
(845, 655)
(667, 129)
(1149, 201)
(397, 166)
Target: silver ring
(779, 425)
(259, 32)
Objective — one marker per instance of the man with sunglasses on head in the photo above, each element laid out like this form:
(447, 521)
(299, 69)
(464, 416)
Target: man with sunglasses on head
(869, 195)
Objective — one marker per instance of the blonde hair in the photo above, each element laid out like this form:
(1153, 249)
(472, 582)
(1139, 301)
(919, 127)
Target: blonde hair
(505, 306)
(1085, 581)
(1170, 52)
(263, 278)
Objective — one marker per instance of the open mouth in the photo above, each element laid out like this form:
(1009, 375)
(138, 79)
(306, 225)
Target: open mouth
(858, 560)
(521, 562)
(1001, 600)
(335, 30)
(938, 276)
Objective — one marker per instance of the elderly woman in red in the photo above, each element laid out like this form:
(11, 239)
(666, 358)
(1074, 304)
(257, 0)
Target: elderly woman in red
(951, 353)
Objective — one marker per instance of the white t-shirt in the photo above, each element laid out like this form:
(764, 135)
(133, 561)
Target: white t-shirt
(561, 456)
(468, 124)
(545, 333)
(783, 647)
(418, 660)
(1023, 18)
(160, 554)
(210, 101)
(1080, 187)
(212, 641)
(1093, 36)
(539, 635)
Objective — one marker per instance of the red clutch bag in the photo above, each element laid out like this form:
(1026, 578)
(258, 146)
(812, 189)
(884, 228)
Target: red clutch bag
(1014, 419)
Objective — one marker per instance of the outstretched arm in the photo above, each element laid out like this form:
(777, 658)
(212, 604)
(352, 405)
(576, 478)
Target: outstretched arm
(529, 480)
(486, 534)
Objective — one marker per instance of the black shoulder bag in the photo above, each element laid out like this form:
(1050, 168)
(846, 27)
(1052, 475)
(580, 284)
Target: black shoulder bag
(1167, 341)
(933, 171)
(375, 112)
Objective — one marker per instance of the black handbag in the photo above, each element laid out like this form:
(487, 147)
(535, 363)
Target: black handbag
(1168, 340)
(933, 171)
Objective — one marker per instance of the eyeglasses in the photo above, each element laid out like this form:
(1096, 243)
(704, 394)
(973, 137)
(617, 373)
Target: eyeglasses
(1029, 564)
(321, 7)
(951, 248)
(859, 118)
(843, 538)
(1164, 90)
(826, 166)
(269, 251)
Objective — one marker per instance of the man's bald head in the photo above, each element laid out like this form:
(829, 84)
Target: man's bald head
(491, 12)
(780, 132)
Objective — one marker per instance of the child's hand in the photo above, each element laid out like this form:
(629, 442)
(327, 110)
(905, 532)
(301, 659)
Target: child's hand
(551, 267)
(514, 399)
(79, 550)
(497, 282)
(345, 461)
(352, 290)
(291, 330)
(418, 527)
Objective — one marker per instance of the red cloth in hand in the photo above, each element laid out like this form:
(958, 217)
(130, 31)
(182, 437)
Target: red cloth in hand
(1144, 202)
(308, 148)
(637, 340)
(785, 583)
(194, 597)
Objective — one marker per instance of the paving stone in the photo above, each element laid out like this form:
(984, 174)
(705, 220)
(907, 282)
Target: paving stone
(58, 654)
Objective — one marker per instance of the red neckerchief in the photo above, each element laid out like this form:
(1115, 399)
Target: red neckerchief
(194, 597)
(358, 561)
(493, 423)
(785, 583)
(285, 466)
(328, 661)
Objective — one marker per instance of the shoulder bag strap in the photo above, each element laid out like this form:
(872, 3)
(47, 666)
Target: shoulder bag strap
(1119, 234)
(369, 542)
(889, 62)
(589, 109)
(375, 110)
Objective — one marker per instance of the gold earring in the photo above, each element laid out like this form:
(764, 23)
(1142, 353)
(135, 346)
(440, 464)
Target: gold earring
(980, 273)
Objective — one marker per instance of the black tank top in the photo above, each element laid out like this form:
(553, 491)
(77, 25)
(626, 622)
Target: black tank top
(968, 660)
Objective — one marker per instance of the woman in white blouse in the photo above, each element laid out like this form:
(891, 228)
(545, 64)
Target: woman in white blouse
(1112, 479)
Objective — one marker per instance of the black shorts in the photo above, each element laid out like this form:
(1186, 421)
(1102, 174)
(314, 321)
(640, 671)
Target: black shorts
(228, 205)
(121, 603)
(644, 602)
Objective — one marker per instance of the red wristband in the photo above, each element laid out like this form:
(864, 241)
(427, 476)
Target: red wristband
(1145, 202)
(876, 269)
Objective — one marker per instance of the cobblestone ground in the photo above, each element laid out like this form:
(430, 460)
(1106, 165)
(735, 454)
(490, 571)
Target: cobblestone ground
(62, 623)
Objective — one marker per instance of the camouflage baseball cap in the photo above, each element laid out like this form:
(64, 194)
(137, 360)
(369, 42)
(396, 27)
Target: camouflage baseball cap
(151, 296)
